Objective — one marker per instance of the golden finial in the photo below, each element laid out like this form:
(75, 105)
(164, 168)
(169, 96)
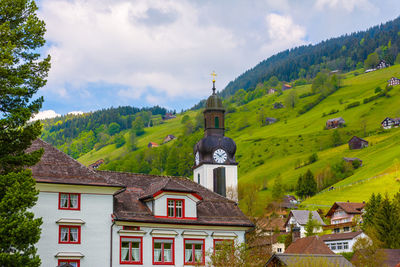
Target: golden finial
(213, 74)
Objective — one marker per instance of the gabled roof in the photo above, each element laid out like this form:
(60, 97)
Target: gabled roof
(301, 216)
(341, 236)
(358, 138)
(348, 207)
(309, 260)
(212, 209)
(309, 245)
(335, 119)
(57, 167)
(271, 224)
(392, 257)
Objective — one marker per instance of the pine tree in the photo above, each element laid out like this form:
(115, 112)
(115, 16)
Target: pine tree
(311, 225)
(22, 73)
(387, 224)
(309, 184)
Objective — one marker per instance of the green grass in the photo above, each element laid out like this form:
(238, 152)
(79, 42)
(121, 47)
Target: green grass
(264, 152)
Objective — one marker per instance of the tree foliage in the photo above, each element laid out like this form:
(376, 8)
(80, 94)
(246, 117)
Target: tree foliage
(306, 185)
(22, 73)
(311, 225)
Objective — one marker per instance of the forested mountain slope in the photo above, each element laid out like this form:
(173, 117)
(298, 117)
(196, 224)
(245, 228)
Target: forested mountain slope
(282, 151)
(345, 53)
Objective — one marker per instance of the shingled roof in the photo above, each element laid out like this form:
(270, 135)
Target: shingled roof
(307, 260)
(348, 207)
(309, 245)
(340, 236)
(57, 167)
(212, 209)
(301, 216)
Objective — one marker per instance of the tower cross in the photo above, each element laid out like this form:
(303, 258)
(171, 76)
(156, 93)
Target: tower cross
(213, 74)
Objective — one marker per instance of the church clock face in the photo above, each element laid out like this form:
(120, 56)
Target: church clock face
(197, 158)
(220, 156)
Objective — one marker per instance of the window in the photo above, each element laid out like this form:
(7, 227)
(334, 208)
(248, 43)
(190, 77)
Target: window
(345, 245)
(69, 234)
(175, 208)
(194, 251)
(198, 178)
(279, 250)
(163, 251)
(69, 201)
(333, 246)
(336, 230)
(346, 229)
(339, 245)
(131, 250)
(75, 263)
(216, 122)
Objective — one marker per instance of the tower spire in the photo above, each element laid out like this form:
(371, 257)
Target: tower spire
(213, 80)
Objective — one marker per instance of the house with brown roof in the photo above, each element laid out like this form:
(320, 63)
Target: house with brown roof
(344, 216)
(342, 242)
(335, 123)
(168, 138)
(357, 143)
(280, 260)
(106, 218)
(148, 215)
(309, 245)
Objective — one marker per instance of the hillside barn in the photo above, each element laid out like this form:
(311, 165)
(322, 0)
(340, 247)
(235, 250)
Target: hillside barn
(271, 91)
(168, 138)
(335, 123)
(389, 123)
(152, 144)
(357, 143)
(382, 64)
(286, 86)
(269, 120)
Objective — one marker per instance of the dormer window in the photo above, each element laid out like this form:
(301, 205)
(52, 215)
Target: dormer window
(175, 208)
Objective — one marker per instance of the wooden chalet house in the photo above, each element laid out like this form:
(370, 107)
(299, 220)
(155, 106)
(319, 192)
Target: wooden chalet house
(105, 218)
(168, 138)
(335, 123)
(152, 144)
(357, 143)
(389, 123)
(393, 81)
(96, 164)
(343, 216)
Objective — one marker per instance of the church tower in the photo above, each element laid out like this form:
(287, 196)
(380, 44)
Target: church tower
(215, 166)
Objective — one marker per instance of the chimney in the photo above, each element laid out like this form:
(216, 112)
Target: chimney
(295, 233)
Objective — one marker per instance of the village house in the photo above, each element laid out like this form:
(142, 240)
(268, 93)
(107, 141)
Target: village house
(389, 123)
(286, 86)
(106, 218)
(351, 160)
(393, 81)
(270, 120)
(289, 202)
(168, 138)
(307, 251)
(168, 116)
(357, 143)
(96, 164)
(271, 91)
(335, 123)
(152, 144)
(344, 216)
(382, 64)
(269, 244)
(299, 219)
(342, 242)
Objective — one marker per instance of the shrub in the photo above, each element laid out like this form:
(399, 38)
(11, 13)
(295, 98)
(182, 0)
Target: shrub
(352, 105)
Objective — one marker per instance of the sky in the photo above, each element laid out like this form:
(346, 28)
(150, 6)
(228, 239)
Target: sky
(108, 53)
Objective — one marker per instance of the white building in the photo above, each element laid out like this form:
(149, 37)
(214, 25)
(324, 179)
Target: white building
(103, 218)
(342, 242)
(299, 219)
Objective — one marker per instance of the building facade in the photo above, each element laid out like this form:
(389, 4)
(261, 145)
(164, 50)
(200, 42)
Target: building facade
(104, 218)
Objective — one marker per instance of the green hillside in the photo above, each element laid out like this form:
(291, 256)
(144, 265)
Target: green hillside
(265, 152)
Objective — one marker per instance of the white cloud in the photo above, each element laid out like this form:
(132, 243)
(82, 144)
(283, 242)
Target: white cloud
(347, 5)
(138, 45)
(45, 114)
(283, 33)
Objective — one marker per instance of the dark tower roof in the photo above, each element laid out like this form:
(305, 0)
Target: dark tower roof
(214, 102)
